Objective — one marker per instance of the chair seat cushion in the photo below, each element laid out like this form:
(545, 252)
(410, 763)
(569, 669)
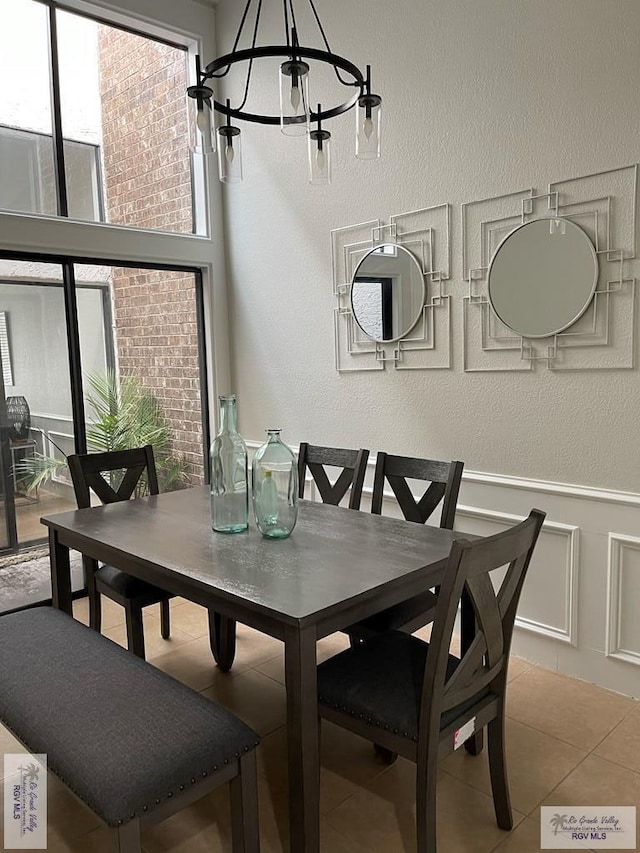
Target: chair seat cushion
(381, 682)
(127, 586)
(120, 733)
(394, 618)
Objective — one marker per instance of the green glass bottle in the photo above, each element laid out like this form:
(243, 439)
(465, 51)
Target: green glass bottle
(229, 478)
(275, 487)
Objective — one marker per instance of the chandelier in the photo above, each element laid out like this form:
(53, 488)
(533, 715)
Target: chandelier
(296, 116)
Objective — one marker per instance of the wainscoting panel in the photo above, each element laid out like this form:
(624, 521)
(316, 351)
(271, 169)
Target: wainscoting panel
(549, 604)
(623, 597)
(594, 579)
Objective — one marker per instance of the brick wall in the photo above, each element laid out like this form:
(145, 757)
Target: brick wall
(147, 183)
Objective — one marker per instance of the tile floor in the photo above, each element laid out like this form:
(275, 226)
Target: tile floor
(569, 743)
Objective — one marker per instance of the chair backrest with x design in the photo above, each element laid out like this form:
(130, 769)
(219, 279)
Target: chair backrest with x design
(88, 470)
(444, 479)
(315, 458)
(480, 677)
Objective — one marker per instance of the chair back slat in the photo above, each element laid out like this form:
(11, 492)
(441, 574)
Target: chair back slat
(316, 458)
(487, 647)
(484, 663)
(330, 494)
(444, 485)
(88, 470)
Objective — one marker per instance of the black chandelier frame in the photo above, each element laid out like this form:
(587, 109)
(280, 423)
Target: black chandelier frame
(224, 63)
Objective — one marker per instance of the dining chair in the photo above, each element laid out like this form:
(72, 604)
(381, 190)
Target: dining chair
(416, 699)
(444, 485)
(315, 459)
(88, 474)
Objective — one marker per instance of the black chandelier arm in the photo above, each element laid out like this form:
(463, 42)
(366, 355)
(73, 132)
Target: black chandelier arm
(253, 45)
(325, 39)
(258, 118)
(328, 58)
(225, 71)
(242, 23)
(313, 53)
(294, 25)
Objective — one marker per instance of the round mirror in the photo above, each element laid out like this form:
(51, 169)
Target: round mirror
(542, 277)
(387, 292)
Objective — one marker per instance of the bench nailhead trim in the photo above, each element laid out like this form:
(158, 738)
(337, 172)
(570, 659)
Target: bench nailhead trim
(157, 802)
(170, 794)
(145, 808)
(204, 774)
(193, 781)
(215, 769)
(226, 761)
(182, 787)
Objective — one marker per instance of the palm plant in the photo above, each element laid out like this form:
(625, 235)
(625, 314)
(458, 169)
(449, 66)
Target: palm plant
(122, 415)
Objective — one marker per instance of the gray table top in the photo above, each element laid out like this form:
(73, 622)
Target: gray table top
(334, 558)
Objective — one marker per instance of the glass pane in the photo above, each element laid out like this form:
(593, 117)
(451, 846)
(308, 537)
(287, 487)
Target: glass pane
(26, 148)
(39, 429)
(124, 94)
(155, 347)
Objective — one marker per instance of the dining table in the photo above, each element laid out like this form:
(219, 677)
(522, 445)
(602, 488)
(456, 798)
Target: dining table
(339, 566)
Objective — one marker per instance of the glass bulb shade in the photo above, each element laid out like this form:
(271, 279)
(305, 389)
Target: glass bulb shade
(319, 160)
(294, 98)
(368, 124)
(202, 131)
(229, 154)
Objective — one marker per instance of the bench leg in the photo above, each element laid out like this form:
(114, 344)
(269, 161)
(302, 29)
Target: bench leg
(245, 826)
(135, 631)
(126, 838)
(165, 624)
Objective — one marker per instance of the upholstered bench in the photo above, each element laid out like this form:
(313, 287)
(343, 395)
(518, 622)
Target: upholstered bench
(128, 740)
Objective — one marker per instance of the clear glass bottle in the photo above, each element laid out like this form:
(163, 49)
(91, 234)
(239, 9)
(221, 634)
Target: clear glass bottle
(275, 487)
(229, 479)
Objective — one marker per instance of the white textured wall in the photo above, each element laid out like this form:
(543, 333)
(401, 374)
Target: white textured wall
(481, 98)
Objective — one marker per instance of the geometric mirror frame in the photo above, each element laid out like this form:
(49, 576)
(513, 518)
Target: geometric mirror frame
(602, 207)
(424, 341)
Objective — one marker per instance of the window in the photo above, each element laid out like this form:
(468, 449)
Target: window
(26, 175)
(123, 121)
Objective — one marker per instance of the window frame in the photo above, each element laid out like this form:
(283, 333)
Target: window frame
(199, 173)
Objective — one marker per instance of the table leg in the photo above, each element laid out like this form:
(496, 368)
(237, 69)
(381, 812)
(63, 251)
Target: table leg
(222, 638)
(60, 573)
(302, 740)
(467, 632)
